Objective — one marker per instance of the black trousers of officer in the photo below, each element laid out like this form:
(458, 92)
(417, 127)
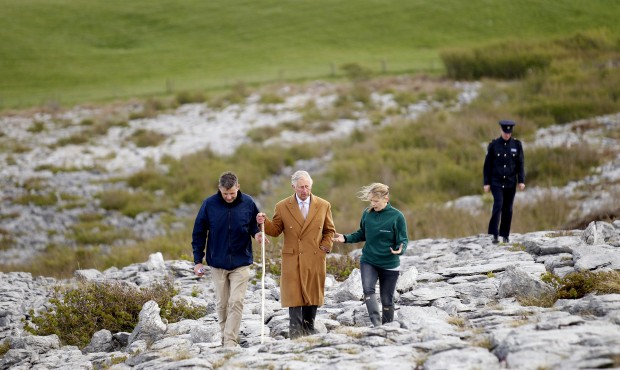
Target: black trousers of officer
(502, 208)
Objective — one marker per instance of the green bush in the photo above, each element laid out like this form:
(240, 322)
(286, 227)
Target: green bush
(559, 165)
(132, 203)
(187, 97)
(143, 138)
(41, 200)
(341, 266)
(508, 60)
(80, 312)
(4, 347)
(578, 284)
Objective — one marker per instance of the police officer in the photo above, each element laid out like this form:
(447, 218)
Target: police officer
(503, 173)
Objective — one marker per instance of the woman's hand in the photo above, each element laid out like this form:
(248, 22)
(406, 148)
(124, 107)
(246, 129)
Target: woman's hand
(398, 251)
(338, 238)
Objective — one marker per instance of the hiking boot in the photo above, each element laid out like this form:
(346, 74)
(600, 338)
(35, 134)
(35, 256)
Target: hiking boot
(388, 315)
(373, 309)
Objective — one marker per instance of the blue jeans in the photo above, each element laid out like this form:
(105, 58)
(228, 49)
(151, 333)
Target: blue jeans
(387, 282)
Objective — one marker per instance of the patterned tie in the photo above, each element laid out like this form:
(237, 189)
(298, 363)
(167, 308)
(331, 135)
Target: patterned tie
(304, 210)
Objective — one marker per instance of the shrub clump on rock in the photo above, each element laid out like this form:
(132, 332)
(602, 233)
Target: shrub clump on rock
(79, 312)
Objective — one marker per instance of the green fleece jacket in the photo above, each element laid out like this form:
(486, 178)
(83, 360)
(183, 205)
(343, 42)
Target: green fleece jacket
(381, 231)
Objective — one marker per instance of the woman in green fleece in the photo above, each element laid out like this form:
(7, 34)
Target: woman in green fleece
(384, 230)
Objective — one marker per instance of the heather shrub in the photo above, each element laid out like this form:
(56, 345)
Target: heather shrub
(507, 60)
(4, 347)
(79, 312)
(143, 138)
(341, 266)
(578, 284)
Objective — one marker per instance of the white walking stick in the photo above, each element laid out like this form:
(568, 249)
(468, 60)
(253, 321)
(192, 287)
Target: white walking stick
(262, 316)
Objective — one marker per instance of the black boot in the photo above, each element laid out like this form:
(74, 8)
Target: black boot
(373, 309)
(388, 314)
(295, 328)
(495, 240)
(308, 315)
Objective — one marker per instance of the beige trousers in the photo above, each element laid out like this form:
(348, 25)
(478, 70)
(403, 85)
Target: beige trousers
(230, 288)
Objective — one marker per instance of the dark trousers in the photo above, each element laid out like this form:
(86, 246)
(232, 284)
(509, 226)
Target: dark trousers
(387, 282)
(301, 320)
(502, 210)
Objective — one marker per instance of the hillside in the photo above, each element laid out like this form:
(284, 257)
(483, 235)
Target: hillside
(76, 51)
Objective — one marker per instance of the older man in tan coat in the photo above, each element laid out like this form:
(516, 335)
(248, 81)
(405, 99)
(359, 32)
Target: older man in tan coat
(306, 221)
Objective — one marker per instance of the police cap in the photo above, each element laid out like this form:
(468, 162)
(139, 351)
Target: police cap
(507, 125)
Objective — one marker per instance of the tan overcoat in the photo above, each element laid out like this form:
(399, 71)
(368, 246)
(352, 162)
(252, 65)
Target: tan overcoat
(303, 263)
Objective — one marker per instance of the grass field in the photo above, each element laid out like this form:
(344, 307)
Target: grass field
(76, 51)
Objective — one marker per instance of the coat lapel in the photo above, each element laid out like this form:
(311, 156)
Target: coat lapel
(293, 207)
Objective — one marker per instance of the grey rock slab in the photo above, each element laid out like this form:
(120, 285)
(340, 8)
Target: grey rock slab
(516, 282)
(561, 342)
(101, 341)
(490, 267)
(350, 289)
(429, 292)
(407, 280)
(593, 257)
(597, 305)
(556, 320)
(150, 326)
(600, 232)
(546, 245)
(470, 358)
(39, 344)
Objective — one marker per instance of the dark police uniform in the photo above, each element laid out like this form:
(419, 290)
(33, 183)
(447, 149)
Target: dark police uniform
(503, 170)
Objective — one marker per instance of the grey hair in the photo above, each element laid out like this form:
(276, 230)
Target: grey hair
(228, 180)
(375, 189)
(299, 175)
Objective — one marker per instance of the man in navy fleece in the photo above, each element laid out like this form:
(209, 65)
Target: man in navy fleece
(227, 222)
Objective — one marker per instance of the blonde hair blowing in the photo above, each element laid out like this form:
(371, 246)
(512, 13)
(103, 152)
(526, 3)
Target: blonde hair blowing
(375, 189)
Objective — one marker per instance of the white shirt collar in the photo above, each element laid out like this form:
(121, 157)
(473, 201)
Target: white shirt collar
(299, 201)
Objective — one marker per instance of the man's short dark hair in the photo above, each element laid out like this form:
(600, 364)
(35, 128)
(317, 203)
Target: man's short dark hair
(228, 180)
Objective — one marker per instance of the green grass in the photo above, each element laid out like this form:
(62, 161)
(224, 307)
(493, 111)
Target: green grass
(74, 51)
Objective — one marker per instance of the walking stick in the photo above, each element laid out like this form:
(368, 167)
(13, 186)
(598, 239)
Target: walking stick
(262, 316)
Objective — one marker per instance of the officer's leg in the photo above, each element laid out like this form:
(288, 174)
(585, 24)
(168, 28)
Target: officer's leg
(509, 197)
(498, 198)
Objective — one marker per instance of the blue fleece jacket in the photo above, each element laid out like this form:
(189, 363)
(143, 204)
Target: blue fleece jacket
(228, 229)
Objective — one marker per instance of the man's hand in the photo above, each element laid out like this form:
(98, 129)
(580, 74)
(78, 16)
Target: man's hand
(260, 218)
(259, 238)
(199, 269)
(521, 186)
(487, 188)
(338, 238)
(324, 249)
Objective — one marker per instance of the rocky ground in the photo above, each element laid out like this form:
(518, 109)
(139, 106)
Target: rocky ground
(455, 309)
